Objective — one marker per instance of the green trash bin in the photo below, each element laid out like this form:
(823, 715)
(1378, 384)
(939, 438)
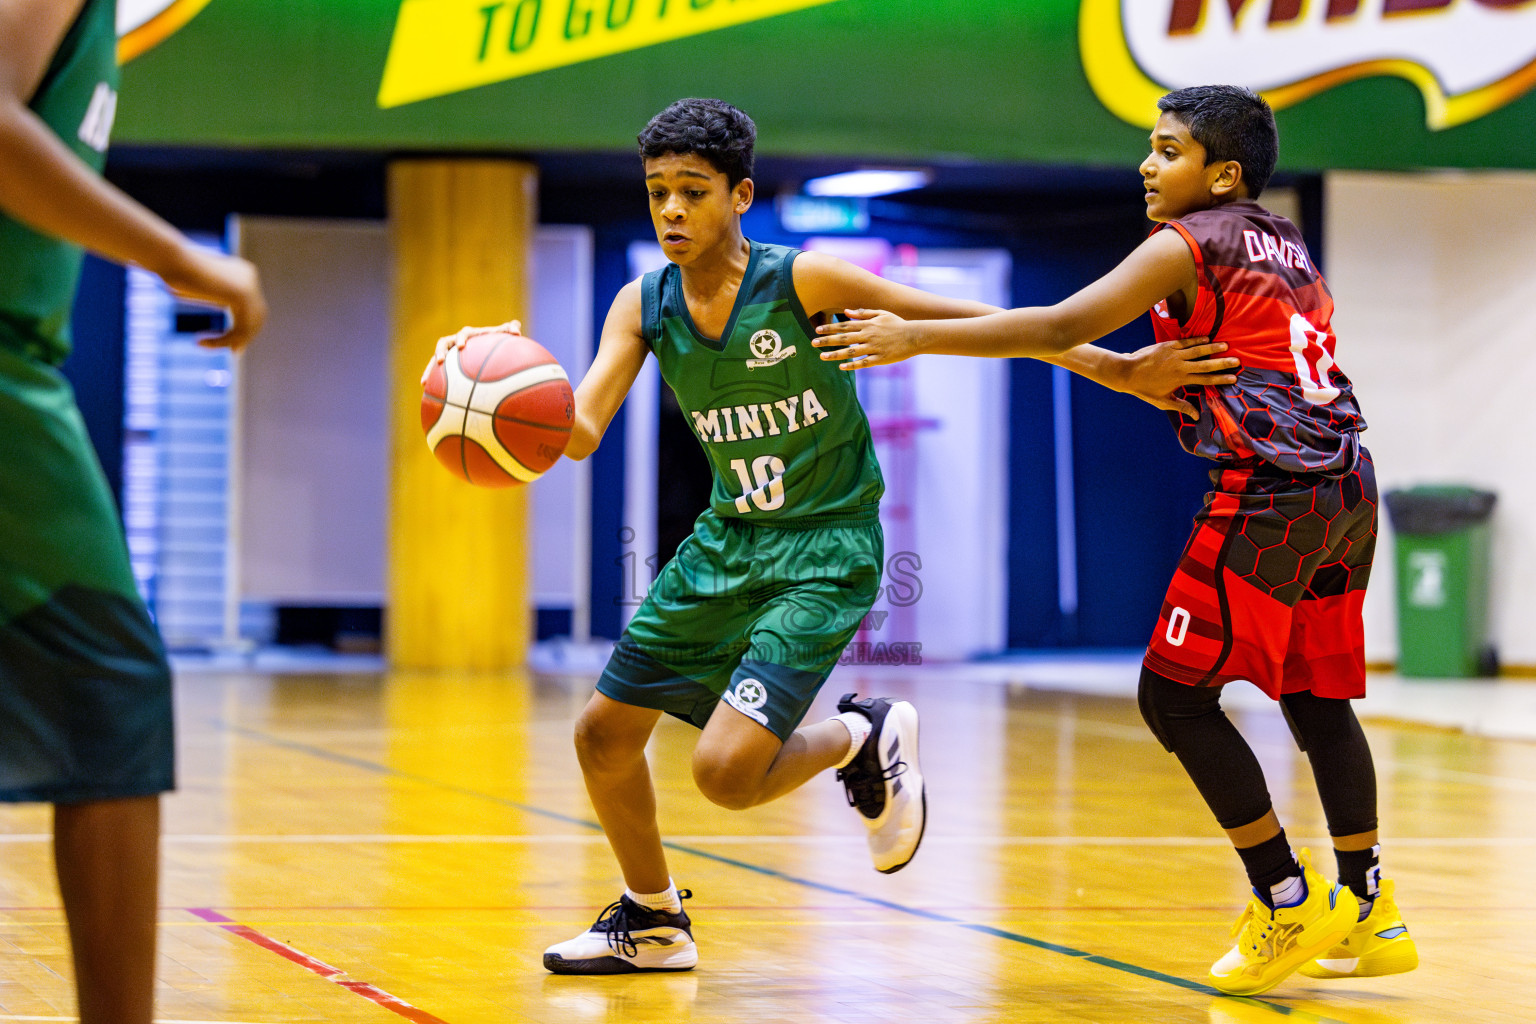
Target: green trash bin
(1442, 581)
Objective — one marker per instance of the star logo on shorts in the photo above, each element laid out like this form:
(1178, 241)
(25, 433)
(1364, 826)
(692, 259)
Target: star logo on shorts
(748, 696)
(769, 349)
(751, 693)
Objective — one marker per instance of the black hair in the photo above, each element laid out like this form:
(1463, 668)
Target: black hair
(1232, 123)
(713, 129)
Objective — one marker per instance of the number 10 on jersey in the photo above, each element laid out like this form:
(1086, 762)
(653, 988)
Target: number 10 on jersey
(768, 476)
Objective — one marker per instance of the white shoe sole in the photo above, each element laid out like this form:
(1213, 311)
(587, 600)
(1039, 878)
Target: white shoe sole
(676, 957)
(912, 800)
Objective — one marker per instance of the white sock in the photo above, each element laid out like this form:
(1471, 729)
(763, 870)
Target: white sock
(858, 727)
(1372, 883)
(666, 900)
(1289, 892)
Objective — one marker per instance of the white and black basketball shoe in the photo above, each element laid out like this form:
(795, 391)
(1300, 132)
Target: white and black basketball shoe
(884, 781)
(628, 938)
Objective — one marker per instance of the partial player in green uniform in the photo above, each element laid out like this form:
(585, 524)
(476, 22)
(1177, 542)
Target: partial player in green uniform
(85, 700)
(741, 629)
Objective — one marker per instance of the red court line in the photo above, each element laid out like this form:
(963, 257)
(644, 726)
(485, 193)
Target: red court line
(320, 967)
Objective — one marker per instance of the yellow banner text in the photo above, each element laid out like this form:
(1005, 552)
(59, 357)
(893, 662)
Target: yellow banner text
(447, 46)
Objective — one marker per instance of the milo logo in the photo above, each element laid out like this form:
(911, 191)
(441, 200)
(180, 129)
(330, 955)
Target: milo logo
(1467, 57)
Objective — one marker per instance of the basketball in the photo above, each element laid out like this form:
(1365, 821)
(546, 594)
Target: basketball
(498, 410)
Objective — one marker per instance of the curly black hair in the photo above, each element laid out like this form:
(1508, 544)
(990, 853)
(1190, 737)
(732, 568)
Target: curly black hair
(1232, 123)
(713, 129)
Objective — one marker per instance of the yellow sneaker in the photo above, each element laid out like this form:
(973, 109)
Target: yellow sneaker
(1378, 945)
(1271, 944)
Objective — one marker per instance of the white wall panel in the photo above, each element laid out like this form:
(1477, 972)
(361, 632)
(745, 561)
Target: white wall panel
(1434, 277)
(313, 433)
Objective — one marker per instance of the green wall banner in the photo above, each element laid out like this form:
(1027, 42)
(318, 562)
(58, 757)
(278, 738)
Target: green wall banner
(1370, 84)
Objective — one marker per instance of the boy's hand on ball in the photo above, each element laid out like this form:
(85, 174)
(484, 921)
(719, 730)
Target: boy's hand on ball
(523, 411)
(457, 340)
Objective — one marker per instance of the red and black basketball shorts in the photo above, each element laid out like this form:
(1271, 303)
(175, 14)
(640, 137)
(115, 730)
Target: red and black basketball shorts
(1271, 584)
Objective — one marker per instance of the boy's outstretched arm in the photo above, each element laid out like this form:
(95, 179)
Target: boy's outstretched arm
(621, 352)
(1156, 269)
(827, 284)
(45, 186)
(1154, 373)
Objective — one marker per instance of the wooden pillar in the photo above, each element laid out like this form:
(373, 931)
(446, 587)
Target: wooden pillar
(459, 593)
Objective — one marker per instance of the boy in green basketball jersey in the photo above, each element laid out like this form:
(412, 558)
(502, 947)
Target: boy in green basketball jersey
(85, 690)
(741, 629)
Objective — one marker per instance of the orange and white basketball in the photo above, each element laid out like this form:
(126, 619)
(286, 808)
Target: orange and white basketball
(498, 410)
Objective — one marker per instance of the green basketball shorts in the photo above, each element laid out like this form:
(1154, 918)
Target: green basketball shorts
(754, 613)
(85, 690)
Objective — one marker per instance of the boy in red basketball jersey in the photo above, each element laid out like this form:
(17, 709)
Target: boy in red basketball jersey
(1271, 583)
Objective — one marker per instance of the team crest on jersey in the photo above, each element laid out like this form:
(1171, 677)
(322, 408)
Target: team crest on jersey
(767, 349)
(749, 695)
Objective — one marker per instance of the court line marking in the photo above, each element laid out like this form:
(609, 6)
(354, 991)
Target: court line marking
(332, 974)
(1260, 745)
(1042, 944)
(808, 912)
(736, 839)
(1003, 933)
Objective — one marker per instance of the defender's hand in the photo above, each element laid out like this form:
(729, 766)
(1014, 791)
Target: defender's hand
(226, 281)
(1159, 370)
(872, 337)
(453, 341)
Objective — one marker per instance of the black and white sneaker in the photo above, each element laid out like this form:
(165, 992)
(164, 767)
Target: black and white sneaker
(884, 781)
(628, 938)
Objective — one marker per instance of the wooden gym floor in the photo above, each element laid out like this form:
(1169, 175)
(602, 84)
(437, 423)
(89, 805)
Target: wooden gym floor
(365, 848)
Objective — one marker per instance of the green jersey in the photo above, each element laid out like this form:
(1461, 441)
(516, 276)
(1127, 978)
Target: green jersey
(783, 428)
(85, 690)
(77, 98)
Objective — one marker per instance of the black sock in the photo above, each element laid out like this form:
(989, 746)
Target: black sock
(1268, 864)
(1361, 871)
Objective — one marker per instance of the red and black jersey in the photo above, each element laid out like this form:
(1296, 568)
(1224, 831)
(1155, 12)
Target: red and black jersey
(1260, 293)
